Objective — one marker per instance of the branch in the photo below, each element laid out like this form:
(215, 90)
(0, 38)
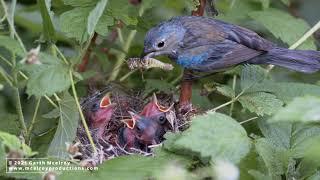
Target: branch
(186, 86)
(85, 60)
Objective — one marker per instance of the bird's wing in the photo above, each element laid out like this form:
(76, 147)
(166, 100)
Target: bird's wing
(236, 54)
(202, 30)
(245, 37)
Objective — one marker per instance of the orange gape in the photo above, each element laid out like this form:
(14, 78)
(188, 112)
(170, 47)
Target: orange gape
(146, 128)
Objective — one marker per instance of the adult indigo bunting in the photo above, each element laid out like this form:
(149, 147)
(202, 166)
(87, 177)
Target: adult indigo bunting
(208, 45)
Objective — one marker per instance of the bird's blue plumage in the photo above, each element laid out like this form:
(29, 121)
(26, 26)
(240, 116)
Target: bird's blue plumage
(206, 45)
(190, 60)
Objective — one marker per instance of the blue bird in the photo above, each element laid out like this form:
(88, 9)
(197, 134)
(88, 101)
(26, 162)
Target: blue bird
(204, 44)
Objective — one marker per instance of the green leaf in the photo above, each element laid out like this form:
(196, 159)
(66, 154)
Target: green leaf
(261, 103)
(199, 100)
(258, 175)
(11, 45)
(133, 167)
(78, 28)
(286, 91)
(280, 25)
(286, 2)
(95, 15)
(251, 75)
(213, 136)
(283, 143)
(294, 138)
(9, 123)
(104, 22)
(5, 76)
(265, 3)
(67, 127)
(301, 109)
(82, 3)
(271, 156)
(124, 11)
(152, 84)
(14, 143)
(315, 176)
(55, 113)
(226, 91)
(47, 25)
(47, 78)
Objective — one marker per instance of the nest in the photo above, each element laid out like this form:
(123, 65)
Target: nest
(107, 147)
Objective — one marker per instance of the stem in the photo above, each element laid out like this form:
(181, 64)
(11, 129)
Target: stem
(127, 75)
(10, 20)
(120, 35)
(121, 57)
(17, 97)
(229, 102)
(60, 54)
(176, 80)
(251, 119)
(14, 72)
(300, 41)
(81, 113)
(6, 61)
(28, 137)
(234, 88)
(14, 33)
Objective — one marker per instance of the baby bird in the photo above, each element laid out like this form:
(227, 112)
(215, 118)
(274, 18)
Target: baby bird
(98, 113)
(146, 128)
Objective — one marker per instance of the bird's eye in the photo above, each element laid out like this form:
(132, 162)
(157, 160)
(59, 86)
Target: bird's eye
(160, 44)
(95, 107)
(162, 119)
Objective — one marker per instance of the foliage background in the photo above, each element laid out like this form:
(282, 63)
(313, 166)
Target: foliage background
(267, 125)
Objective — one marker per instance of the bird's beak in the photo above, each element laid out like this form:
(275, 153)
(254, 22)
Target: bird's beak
(150, 53)
(146, 52)
(106, 102)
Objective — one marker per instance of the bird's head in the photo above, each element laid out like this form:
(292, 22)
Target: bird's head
(163, 39)
(148, 130)
(99, 112)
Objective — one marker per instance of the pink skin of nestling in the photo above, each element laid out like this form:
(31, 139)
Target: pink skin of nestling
(100, 118)
(145, 127)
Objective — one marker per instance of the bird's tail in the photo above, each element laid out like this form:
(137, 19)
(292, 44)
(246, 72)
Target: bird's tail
(306, 61)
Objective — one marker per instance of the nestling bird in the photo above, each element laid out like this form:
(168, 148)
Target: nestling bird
(146, 128)
(204, 44)
(98, 113)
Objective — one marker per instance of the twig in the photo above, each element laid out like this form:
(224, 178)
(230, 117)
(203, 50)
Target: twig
(60, 54)
(28, 137)
(15, 74)
(234, 88)
(186, 86)
(300, 41)
(121, 56)
(17, 97)
(10, 20)
(124, 77)
(85, 60)
(251, 119)
(229, 102)
(81, 113)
